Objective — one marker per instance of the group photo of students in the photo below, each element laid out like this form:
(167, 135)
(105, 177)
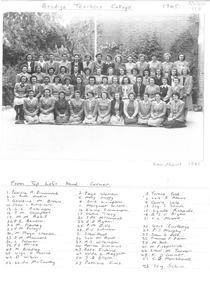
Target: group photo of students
(104, 90)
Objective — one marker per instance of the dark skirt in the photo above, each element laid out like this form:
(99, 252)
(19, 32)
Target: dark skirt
(173, 124)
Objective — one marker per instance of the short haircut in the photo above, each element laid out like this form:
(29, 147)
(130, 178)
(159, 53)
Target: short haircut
(145, 71)
(24, 77)
(151, 78)
(33, 76)
(92, 77)
(123, 80)
(63, 67)
(37, 67)
(115, 77)
(176, 93)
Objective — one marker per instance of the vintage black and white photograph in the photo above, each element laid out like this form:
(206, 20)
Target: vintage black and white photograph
(103, 86)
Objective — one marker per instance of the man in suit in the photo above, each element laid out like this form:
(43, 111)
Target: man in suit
(78, 63)
(139, 88)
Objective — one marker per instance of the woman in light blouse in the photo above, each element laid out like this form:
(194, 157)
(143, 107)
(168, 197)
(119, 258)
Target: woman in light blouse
(153, 65)
(46, 85)
(46, 106)
(41, 62)
(104, 109)
(92, 86)
(118, 64)
(167, 65)
(129, 65)
(76, 108)
(144, 110)
(86, 75)
(133, 76)
(51, 74)
(39, 74)
(56, 87)
(61, 109)
(181, 64)
(36, 87)
(98, 76)
(117, 106)
(24, 72)
(90, 109)
(158, 111)
(127, 87)
(68, 88)
(151, 89)
(114, 88)
(31, 108)
(131, 109)
(104, 87)
(142, 64)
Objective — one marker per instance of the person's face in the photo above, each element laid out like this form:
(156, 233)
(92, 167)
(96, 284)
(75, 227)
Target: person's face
(164, 81)
(91, 81)
(76, 69)
(110, 71)
(31, 95)
(29, 57)
(122, 71)
(117, 96)
(167, 57)
(181, 57)
(76, 57)
(158, 72)
(152, 81)
(64, 57)
(24, 69)
(23, 80)
(46, 80)
(154, 58)
(57, 80)
(115, 80)
(33, 80)
(77, 95)
(157, 97)
(145, 97)
(47, 93)
(98, 71)
(41, 58)
(131, 97)
(90, 95)
(130, 59)
(104, 80)
(118, 59)
(176, 81)
(125, 80)
(141, 58)
(62, 96)
(63, 70)
(98, 57)
(79, 81)
(185, 72)
(103, 95)
(146, 73)
(175, 97)
(108, 58)
(51, 71)
(139, 80)
(87, 72)
(38, 69)
(134, 72)
(88, 58)
(67, 81)
(173, 72)
(51, 57)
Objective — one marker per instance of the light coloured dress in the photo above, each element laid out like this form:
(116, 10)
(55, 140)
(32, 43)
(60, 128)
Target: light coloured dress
(90, 110)
(76, 111)
(46, 104)
(31, 106)
(158, 111)
(104, 109)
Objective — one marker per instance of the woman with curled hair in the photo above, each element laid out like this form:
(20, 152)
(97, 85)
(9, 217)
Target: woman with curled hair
(31, 109)
(186, 81)
(130, 64)
(158, 111)
(41, 62)
(90, 108)
(20, 92)
(56, 87)
(117, 106)
(104, 87)
(65, 63)
(62, 112)
(118, 64)
(51, 74)
(46, 107)
(133, 76)
(181, 63)
(114, 88)
(167, 65)
(39, 74)
(87, 63)
(76, 108)
(131, 109)
(92, 86)
(127, 88)
(63, 74)
(122, 75)
(68, 88)
(104, 109)
(144, 110)
(80, 86)
(24, 72)
(34, 86)
(46, 85)
(141, 64)
(86, 75)
(154, 64)
(151, 89)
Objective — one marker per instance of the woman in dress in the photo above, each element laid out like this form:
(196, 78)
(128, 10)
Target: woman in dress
(68, 89)
(24, 72)
(92, 86)
(107, 64)
(90, 109)
(127, 87)
(158, 111)
(187, 82)
(88, 62)
(104, 109)
(142, 64)
(51, 74)
(144, 110)
(104, 87)
(31, 109)
(63, 74)
(76, 108)
(181, 64)
(129, 65)
(62, 112)
(20, 92)
(114, 88)
(117, 106)
(167, 65)
(80, 86)
(46, 107)
(154, 64)
(46, 85)
(118, 64)
(151, 89)
(86, 75)
(133, 76)
(56, 87)
(34, 86)
(131, 109)
(39, 74)
(176, 118)
(41, 62)
(146, 77)
(98, 76)
(122, 75)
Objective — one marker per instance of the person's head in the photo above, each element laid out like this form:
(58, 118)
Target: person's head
(120, 47)
(118, 58)
(41, 57)
(104, 95)
(142, 57)
(99, 56)
(76, 69)
(164, 80)
(176, 96)
(151, 80)
(31, 94)
(77, 94)
(185, 71)
(174, 72)
(122, 71)
(92, 80)
(29, 57)
(108, 58)
(76, 57)
(87, 71)
(154, 57)
(64, 56)
(134, 71)
(38, 69)
(146, 97)
(115, 79)
(158, 71)
(131, 96)
(67, 80)
(63, 69)
(167, 56)
(88, 58)
(79, 80)
(181, 57)
(23, 79)
(158, 96)
(98, 71)
(47, 92)
(139, 79)
(24, 68)
(146, 73)
(61, 95)
(130, 58)
(56, 79)
(117, 96)
(51, 71)
(104, 79)
(33, 79)
(176, 80)
(126, 80)
(51, 56)
(90, 95)
(46, 79)
(110, 70)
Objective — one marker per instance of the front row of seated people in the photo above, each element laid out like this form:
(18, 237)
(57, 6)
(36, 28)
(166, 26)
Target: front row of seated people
(104, 111)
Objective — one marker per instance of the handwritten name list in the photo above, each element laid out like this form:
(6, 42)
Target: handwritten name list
(100, 226)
